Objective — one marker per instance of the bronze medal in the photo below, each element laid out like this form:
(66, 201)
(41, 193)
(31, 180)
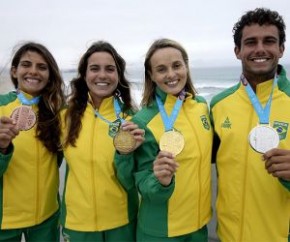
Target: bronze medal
(172, 141)
(24, 117)
(124, 141)
(263, 138)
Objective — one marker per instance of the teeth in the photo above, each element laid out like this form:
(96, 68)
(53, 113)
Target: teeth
(260, 60)
(171, 82)
(31, 80)
(102, 84)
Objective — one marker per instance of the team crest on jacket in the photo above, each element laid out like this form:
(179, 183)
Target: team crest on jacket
(205, 122)
(114, 128)
(281, 128)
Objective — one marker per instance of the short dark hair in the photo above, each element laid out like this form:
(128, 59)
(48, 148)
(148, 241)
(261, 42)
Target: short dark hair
(261, 16)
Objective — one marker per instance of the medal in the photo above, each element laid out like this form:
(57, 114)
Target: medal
(24, 117)
(124, 141)
(172, 141)
(263, 138)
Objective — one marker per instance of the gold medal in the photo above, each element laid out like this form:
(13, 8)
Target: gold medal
(172, 141)
(24, 117)
(124, 141)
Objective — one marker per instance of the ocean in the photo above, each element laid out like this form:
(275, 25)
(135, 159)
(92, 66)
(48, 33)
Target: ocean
(207, 81)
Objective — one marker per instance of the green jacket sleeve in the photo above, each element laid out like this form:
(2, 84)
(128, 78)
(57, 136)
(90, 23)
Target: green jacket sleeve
(125, 167)
(285, 183)
(5, 159)
(146, 182)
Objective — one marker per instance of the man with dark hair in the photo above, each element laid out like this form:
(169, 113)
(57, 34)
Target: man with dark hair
(252, 152)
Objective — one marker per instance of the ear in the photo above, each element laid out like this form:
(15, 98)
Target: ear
(281, 49)
(237, 52)
(13, 71)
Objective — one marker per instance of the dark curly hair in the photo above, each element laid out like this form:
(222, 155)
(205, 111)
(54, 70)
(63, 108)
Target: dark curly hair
(48, 129)
(261, 16)
(78, 98)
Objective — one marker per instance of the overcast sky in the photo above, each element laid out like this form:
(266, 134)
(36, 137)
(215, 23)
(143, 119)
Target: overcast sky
(68, 27)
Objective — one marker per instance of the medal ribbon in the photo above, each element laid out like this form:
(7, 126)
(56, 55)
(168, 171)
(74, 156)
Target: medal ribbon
(117, 109)
(263, 113)
(25, 101)
(169, 121)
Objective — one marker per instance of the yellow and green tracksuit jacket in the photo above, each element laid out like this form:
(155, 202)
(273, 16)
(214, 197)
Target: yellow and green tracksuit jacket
(29, 176)
(252, 205)
(185, 205)
(94, 199)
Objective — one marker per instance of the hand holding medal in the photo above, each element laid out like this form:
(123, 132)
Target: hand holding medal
(164, 167)
(128, 138)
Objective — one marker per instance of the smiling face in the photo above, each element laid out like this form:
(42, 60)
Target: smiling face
(168, 70)
(260, 52)
(101, 76)
(32, 73)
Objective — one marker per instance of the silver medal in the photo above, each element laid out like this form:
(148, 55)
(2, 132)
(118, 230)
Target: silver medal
(263, 138)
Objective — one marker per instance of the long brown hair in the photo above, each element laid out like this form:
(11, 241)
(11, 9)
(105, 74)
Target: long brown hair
(150, 86)
(48, 129)
(79, 91)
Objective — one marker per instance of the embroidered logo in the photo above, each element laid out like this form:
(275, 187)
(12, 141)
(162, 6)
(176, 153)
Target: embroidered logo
(114, 128)
(205, 122)
(281, 129)
(227, 124)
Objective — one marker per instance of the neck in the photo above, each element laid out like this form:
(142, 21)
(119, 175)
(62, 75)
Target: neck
(95, 101)
(255, 79)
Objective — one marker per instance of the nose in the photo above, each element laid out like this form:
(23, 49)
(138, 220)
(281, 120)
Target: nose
(170, 73)
(102, 74)
(33, 69)
(260, 47)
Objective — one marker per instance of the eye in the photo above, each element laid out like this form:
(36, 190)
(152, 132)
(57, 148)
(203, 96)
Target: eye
(111, 69)
(43, 67)
(177, 65)
(161, 69)
(25, 64)
(249, 42)
(271, 41)
(94, 68)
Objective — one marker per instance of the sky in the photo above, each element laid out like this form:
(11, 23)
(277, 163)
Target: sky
(68, 27)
